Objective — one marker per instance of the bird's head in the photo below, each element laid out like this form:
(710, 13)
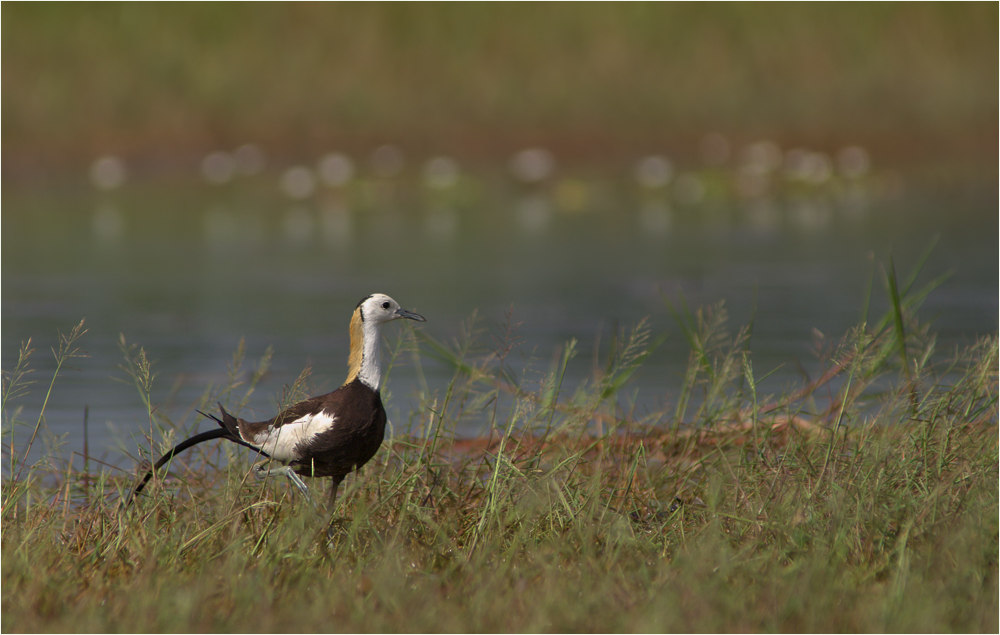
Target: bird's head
(371, 314)
(379, 308)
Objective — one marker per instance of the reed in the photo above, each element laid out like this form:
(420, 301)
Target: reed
(864, 500)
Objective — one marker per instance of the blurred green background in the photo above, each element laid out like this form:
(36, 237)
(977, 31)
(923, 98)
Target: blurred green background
(596, 82)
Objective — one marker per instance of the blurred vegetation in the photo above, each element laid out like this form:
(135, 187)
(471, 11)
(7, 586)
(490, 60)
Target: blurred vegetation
(593, 81)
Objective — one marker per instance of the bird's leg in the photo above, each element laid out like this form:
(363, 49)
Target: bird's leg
(296, 481)
(261, 472)
(334, 485)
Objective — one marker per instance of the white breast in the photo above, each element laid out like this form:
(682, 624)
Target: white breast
(281, 442)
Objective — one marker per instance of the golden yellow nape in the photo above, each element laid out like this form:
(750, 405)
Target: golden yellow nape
(357, 346)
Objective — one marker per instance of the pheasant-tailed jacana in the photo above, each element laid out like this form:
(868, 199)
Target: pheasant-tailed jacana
(329, 435)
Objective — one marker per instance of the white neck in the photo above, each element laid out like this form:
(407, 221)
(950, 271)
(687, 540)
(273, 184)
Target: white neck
(370, 373)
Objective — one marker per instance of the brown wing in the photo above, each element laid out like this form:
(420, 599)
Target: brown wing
(349, 444)
(355, 438)
(248, 430)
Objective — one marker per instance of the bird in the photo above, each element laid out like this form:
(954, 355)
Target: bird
(326, 436)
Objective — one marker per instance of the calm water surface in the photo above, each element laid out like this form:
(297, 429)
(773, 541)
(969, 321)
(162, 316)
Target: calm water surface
(187, 271)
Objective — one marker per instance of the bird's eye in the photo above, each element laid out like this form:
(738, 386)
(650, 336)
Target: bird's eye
(385, 305)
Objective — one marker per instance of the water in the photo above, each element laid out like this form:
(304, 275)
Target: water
(187, 270)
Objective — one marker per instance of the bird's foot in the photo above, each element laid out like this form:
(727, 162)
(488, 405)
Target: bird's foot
(262, 472)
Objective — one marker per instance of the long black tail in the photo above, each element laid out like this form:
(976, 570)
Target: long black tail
(218, 433)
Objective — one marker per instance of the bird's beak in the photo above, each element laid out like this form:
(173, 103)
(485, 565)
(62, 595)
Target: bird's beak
(409, 315)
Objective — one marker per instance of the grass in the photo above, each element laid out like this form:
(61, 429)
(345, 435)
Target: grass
(864, 500)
